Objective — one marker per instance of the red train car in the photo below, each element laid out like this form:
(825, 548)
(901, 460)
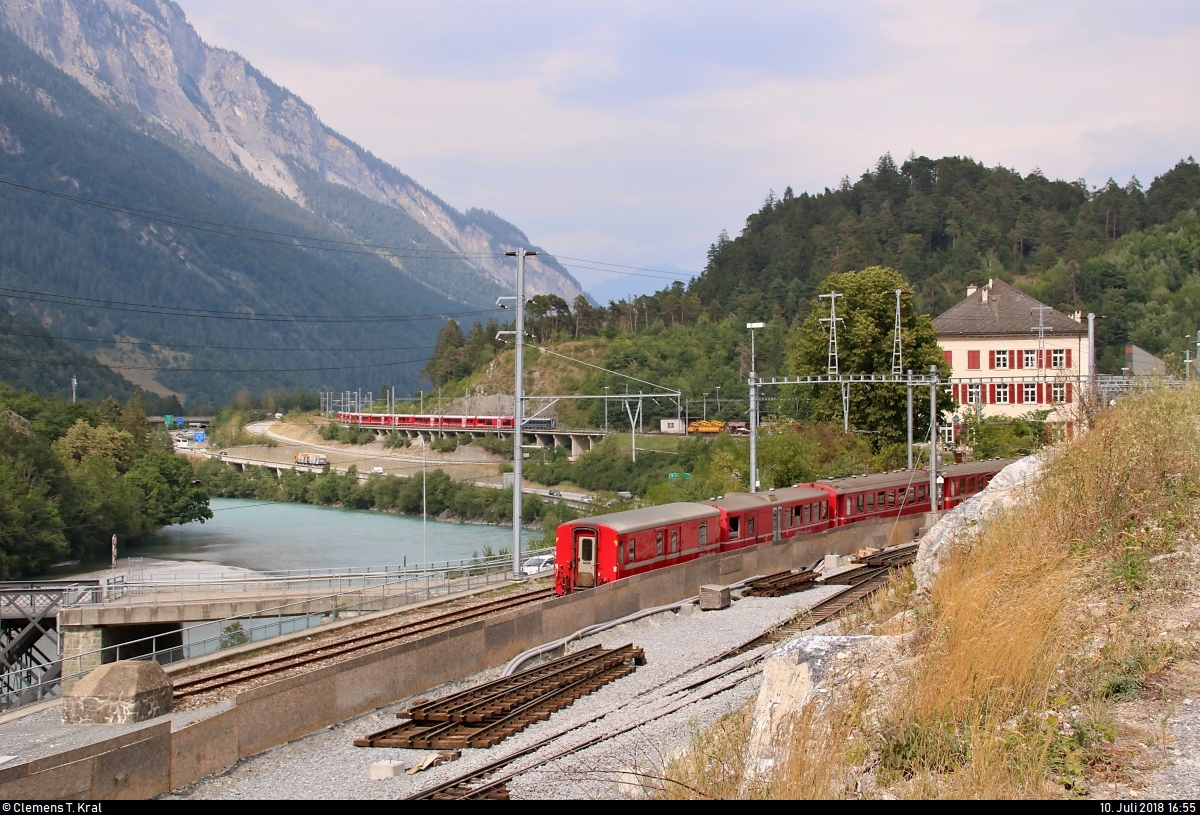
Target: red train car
(594, 551)
(750, 518)
(447, 421)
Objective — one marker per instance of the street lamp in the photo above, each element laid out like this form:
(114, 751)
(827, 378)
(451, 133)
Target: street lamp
(606, 410)
(704, 406)
(718, 398)
(753, 410)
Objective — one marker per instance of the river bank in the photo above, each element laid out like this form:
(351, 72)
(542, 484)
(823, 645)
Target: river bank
(436, 494)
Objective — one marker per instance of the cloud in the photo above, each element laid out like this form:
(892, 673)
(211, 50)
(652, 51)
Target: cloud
(633, 133)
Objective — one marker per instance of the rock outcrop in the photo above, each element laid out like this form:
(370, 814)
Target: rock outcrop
(959, 524)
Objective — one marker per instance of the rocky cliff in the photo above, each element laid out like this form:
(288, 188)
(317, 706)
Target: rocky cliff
(144, 55)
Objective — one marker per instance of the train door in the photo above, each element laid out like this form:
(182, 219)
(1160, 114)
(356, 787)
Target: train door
(585, 557)
(776, 522)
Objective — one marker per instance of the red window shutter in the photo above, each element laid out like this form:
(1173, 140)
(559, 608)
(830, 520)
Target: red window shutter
(992, 394)
(1068, 361)
(1018, 397)
(949, 357)
(1039, 393)
(1020, 363)
(1068, 389)
(1011, 356)
(973, 360)
(992, 360)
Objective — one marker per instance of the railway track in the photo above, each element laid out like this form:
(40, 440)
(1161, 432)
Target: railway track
(191, 686)
(483, 783)
(487, 714)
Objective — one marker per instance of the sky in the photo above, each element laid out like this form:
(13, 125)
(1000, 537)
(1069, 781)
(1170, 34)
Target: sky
(634, 132)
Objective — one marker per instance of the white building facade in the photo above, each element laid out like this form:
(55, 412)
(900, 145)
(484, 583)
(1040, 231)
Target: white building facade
(1011, 355)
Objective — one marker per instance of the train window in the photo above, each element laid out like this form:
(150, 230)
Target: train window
(658, 542)
(882, 500)
(750, 526)
(920, 493)
(891, 498)
(971, 484)
(808, 513)
(734, 527)
(674, 540)
(871, 502)
(900, 496)
(858, 502)
(620, 552)
(704, 534)
(983, 480)
(787, 516)
(849, 505)
(629, 558)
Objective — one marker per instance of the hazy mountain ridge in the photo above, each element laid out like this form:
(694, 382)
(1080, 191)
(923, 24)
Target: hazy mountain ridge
(56, 135)
(143, 54)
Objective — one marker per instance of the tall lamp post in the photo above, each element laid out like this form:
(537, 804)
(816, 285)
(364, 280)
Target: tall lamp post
(518, 402)
(719, 396)
(753, 410)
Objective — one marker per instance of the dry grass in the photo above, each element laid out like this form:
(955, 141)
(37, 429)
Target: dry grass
(1007, 645)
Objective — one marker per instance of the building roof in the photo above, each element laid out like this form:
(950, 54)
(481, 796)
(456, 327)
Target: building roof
(738, 501)
(635, 520)
(999, 309)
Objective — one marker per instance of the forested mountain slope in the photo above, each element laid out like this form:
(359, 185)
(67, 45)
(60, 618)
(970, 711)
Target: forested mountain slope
(144, 55)
(56, 136)
(945, 223)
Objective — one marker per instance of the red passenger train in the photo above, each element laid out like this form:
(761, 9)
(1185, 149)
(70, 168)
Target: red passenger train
(594, 551)
(445, 421)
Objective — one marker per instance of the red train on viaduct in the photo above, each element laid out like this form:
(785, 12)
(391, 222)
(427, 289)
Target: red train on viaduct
(594, 551)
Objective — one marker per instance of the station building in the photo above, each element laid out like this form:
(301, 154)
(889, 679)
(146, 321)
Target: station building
(1010, 355)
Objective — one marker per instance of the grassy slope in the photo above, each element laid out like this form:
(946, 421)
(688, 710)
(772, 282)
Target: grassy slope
(1046, 652)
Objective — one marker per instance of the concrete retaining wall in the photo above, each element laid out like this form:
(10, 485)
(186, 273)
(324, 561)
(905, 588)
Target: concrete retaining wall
(154, 760)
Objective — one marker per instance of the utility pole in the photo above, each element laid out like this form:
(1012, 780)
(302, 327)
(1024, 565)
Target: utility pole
(718, 399)
(518, 404)
(73, 383)
(753, 409)
(933, 437)
(832, 357)
(910, 419)
(897, 349)
(633, 425)
(704, 406)
(606, 410)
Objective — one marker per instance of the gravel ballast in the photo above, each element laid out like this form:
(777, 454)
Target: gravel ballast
(328, 765)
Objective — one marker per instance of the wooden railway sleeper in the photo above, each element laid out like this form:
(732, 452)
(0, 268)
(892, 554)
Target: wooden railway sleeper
(512, 695)
(566, 695)
(424, 708)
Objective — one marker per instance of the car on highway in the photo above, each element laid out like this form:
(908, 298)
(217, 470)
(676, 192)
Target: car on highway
(377, 470)
(554, 493)
(537, 563)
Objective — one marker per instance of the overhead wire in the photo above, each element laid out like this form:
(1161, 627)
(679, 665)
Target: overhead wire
(291, 239)
(71, 364)
(217, 314)
(174, 345)
(217, 227)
